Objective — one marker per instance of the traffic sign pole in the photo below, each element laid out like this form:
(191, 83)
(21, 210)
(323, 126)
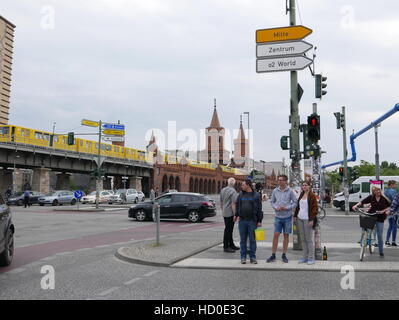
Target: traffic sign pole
(98, 167)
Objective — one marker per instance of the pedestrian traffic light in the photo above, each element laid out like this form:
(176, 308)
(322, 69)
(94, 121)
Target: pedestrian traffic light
(314, 128)
(71, 138)
(320, 85)
(341, 171)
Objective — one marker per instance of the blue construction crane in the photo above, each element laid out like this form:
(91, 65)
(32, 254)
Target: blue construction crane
(357, 134)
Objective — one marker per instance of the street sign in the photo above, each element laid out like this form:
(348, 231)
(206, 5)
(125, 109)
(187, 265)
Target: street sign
(282, 49)
(78, 194)
(113, 126)
(282, 64)
(114, 138)
(90, 123)
(114, 132)
(282, 34)
(100, 161)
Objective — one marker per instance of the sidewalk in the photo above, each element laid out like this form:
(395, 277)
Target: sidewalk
(203, 249)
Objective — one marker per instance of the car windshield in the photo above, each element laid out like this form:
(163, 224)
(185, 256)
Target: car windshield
(120, 191)
(50, 194)
(93, 193)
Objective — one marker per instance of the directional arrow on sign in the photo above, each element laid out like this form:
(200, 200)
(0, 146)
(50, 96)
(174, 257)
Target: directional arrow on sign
(282, 34)
(282, 64)
(282, 49)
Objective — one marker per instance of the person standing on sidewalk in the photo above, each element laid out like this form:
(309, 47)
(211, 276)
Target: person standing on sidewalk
(228, 197)
(26, 198)
(283, 201)
(249, 216)
(306, 216)
(390, 193)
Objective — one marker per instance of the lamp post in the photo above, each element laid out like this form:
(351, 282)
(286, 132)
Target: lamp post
(13, 174)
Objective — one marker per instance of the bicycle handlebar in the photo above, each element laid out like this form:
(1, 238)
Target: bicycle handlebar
(367, 213)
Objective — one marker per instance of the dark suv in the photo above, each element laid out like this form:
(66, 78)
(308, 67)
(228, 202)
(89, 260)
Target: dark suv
(6, 234)
(192, 206)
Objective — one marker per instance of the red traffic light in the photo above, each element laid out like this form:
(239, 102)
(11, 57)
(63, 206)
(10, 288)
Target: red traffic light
(314, 121)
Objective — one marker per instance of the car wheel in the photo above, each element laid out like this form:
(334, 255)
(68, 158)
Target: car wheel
(73, 202)
(141, 216)
(55, 203)
(41, 204)
(20, 203)
(342, 206)
(7, 255)
(193, 216)
(135, 200)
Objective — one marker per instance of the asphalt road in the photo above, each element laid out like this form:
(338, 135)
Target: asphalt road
(80, 248)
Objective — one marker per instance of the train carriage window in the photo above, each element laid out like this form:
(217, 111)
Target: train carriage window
(4, 130)
(38, 135)
(81, 143)
(23, 133)
(46, 136)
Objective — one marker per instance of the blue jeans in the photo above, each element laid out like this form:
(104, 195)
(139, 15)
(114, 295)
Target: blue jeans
(392, 228)
(380, 229)
(247, 229)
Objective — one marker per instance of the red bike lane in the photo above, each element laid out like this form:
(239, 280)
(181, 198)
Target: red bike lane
(28, 254)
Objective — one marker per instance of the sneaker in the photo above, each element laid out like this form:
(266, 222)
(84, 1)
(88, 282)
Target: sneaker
(394, 244)
(387, 243)
(229, 250)
(284, 258)
(272, 258)
(235, 247)
(375, 244)
(243, 261)
(381, 255)
(303, 260)
(311, 262)
(253, 261)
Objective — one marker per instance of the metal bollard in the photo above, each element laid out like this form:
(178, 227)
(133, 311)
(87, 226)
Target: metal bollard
(317, 242)
(156, 214)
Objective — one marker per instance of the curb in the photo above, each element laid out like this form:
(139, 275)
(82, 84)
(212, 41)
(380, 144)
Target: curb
(121, 256)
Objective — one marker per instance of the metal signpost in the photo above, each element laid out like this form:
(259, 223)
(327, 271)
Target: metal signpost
(78, 195)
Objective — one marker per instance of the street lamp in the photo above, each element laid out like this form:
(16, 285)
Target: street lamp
(13, 174)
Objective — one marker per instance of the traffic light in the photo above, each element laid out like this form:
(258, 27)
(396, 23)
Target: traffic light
(320, 85)
(71, 138)
(306, 142)
(51, 140)
(342, 121)
(284, 142)
(314, 128)
(341, 171)
(338, 116)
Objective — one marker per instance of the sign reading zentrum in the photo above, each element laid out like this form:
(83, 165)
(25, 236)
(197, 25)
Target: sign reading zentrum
(281, 49)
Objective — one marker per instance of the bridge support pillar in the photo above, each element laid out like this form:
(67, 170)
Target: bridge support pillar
(107, 183)
(63, 181)
(41, 180)
(118, 183)
(93, 184)
(135, 183)
(5, 180)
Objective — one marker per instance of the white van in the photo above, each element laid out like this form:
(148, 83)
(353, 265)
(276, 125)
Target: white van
(360, 189)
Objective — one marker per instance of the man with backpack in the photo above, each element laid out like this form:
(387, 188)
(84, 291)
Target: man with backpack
(249, 215)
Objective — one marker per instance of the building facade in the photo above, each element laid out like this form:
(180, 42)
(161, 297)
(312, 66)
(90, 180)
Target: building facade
(6, 53)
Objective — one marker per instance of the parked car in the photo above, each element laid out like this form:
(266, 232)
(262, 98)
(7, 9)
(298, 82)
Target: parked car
(58, 198)
(125, 196)
(141, 196)
(192, 206)
(7, 231)
(91, 198)
(18, 198)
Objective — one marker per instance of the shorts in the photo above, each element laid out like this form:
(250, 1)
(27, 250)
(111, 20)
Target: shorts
(283, 225)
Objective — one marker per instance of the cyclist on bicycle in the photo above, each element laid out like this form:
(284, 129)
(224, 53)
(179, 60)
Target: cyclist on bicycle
(378, 204)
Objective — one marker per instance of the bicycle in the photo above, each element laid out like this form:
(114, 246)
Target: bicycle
(321, 212)
(367, 223)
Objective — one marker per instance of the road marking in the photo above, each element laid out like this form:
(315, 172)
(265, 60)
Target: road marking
(151, 273)
(107, 292)
(15, 271)
(48, 258)
(132, 281)
(63, 253)
(103, 246)
(328, 245)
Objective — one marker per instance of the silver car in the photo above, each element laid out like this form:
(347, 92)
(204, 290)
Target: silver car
(58, 198)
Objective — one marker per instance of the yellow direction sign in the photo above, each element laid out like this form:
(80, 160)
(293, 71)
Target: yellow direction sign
(282, 34)
(90, 123)
(114, 132)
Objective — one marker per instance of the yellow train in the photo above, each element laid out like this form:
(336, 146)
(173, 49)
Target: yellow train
(39, 138)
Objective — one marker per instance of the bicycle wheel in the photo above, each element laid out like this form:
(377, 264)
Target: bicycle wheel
(363, 244)
(321, 213)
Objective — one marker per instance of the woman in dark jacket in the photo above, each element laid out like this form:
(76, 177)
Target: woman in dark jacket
(306, 217)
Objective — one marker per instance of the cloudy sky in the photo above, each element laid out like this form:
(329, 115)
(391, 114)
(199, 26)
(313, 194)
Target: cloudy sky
(149, 62)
